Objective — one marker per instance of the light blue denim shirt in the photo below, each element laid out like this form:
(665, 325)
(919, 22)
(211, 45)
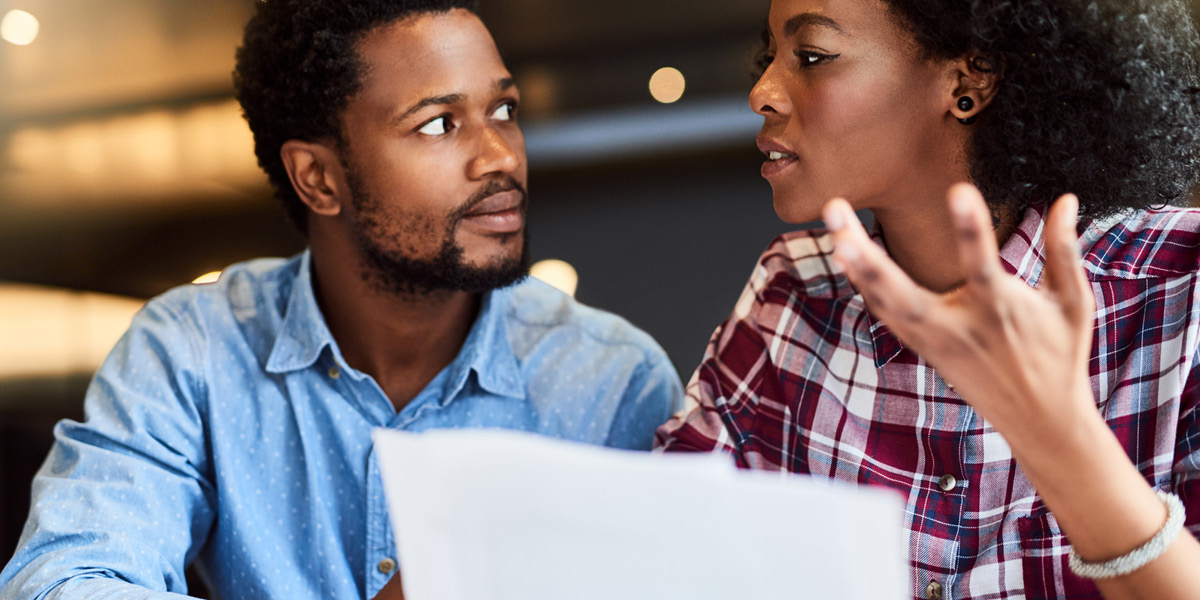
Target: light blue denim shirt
(226, 427)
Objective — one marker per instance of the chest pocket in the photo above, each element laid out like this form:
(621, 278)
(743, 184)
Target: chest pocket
(1044, 551)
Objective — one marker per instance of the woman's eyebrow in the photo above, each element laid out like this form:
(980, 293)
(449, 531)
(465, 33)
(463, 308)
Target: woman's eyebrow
(806, 19)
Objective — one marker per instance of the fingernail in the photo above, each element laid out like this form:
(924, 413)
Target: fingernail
(834, 219)
(961, 207)
(846, 252)
(1072, 204)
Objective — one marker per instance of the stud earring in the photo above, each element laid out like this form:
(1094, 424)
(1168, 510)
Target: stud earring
(965, 104)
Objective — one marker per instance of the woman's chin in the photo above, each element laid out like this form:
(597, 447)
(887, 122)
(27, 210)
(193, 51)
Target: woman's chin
(796, 208)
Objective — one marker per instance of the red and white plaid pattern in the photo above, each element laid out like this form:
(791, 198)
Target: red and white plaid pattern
(802, 378)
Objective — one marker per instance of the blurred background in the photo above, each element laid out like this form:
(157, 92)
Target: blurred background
(126, 169)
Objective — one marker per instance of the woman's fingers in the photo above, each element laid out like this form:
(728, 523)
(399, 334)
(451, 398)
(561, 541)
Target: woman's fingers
(891, 294)
(977, 251)
(1065, 277)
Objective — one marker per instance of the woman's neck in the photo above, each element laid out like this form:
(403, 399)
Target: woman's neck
(922, 239)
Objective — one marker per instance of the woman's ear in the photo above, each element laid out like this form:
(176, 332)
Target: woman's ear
(977, 79)
(316, 174)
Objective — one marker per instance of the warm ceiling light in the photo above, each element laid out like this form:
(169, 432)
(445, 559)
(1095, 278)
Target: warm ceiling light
(667, 84)
(19, 27)
(556, 273)
(52, 332)
(210, 277)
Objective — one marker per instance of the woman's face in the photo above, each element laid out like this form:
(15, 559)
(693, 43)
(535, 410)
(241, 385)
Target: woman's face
(852, 109)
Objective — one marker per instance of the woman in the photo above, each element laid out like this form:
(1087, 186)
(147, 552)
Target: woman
(1040, 418)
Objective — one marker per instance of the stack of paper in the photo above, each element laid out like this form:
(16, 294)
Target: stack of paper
(497, 515)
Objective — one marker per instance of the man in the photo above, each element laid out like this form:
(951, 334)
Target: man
(231, 423)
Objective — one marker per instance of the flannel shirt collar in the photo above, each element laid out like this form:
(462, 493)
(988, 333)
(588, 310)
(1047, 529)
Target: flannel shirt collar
(1022, 255)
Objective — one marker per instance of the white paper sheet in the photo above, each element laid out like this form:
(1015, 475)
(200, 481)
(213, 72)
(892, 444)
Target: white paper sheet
(499, 515)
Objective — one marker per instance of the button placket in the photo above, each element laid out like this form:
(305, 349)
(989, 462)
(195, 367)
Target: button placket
(933, 591)
(387, 565)
(947, 483)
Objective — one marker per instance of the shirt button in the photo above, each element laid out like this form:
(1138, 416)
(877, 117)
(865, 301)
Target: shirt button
(947, 483)
(386, 566)
(334, 373)
(933, 591)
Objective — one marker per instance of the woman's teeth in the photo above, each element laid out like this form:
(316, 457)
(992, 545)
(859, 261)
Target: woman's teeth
(776, 155)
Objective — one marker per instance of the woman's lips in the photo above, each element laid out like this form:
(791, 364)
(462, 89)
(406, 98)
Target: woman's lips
(779, 157)
(772, 168)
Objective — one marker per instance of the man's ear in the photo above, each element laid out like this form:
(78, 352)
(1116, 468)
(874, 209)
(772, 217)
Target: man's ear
(976, 77)
(316, 173)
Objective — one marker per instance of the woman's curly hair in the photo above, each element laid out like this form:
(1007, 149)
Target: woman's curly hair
(298, 67)
(1100, 98)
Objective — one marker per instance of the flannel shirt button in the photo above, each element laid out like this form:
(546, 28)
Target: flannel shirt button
(334, 373)
(386, 566)
(947, 483)
(933, 591)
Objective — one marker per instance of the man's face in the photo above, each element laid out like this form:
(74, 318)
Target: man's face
(435, 162)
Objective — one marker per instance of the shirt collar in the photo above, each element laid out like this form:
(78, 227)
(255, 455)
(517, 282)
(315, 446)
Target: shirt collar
(303, 334)
(1022, 255)
(486, 351)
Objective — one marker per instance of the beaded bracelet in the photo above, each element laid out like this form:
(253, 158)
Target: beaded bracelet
(1141, 556)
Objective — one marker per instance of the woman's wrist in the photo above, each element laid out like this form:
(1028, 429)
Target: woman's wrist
(1101, 501)
(1141, 556)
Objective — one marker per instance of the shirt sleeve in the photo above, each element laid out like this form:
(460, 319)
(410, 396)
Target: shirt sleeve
(123, 503)
(653, 394)
(721, 399)
(1187, 452)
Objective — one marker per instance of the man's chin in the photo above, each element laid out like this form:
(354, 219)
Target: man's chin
(495, 275)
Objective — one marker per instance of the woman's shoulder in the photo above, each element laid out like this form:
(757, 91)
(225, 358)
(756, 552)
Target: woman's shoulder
(1160, 243)
(801, 261)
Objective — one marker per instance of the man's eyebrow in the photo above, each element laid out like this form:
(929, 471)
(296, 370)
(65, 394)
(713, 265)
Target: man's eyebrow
(448, 99)
(430, 101)
(804, 19)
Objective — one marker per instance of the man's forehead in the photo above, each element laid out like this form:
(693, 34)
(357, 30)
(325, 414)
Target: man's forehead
(432, 50)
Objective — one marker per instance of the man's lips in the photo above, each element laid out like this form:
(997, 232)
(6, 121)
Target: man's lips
(498, 203)
(499, 213)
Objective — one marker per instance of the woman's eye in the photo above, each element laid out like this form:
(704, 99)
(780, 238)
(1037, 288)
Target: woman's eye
(812, 59)
(438, 126)
(505, 111)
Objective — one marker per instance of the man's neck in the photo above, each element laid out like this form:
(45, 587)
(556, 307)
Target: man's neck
(402, 340)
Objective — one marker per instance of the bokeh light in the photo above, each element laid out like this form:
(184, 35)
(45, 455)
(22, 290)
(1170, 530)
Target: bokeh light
(19, 27)
(667, 85)
(557, 273)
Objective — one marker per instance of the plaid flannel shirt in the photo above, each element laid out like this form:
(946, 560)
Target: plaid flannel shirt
(802, 378)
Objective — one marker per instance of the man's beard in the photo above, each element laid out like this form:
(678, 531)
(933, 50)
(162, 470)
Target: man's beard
(391, 270)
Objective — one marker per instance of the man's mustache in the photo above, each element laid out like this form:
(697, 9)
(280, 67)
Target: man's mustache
(488, 190)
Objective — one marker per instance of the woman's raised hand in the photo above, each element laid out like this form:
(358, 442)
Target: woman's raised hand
(1018, 355)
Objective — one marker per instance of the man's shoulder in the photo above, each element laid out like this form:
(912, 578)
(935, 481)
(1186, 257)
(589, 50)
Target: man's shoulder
(538, 313)
(244, 292)
(1163, 243)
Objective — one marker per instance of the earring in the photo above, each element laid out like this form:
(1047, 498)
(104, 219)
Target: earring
(965, 104)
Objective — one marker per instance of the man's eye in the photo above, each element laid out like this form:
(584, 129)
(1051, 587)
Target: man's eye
(505, 111)
(438, 126)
